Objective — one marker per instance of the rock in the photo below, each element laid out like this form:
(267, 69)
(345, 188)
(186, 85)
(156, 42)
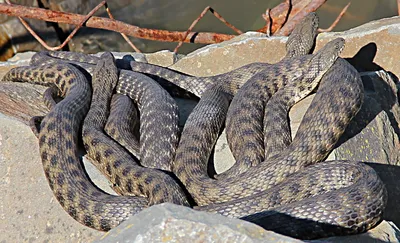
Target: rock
(226, 56)
(185, 107)
(223, 157)
(373, 135)
(97, 177)
(173, 223)
(389, 175)
(375, 45)
(22, 100)
(20, 59)
(297, 112)
(162, 58)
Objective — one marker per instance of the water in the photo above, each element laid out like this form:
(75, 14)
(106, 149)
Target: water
(245, 15)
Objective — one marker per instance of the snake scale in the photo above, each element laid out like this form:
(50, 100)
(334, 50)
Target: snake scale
(328, 198)
(123, 123)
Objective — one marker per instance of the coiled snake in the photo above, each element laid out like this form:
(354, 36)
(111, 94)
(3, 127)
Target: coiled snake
(338, 197)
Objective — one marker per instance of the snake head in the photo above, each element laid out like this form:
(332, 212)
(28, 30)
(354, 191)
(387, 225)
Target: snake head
(302, 38)
(328, 54)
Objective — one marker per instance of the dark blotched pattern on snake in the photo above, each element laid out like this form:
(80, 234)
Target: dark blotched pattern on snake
(285, 187)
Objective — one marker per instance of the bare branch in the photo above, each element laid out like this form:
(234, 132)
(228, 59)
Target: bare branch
(336, 20)
(286, 16)
(280, 14)
(123, 35)
(268, 20)
(279, 20)
(217, 15)
(114, 25)
(56, 48)
(398, 7)
(294, 19)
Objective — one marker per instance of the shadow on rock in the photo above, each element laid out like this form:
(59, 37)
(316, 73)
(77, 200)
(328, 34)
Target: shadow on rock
(304, 229)
(389, 174)
(377, 123)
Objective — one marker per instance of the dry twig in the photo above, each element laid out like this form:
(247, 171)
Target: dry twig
(336, 20)
(398, 7)
(217, 15)
(122, 34)
(268, 21)
(294, 18)
(280, 14)
(59, 47)
(289, 7)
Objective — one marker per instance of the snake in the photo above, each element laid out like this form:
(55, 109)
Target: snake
(123, 117)
(110, 154)
(150, 98)
(293, 193)
(264, 191)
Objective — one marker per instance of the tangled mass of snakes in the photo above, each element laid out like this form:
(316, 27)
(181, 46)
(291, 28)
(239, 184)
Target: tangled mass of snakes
(128, 124)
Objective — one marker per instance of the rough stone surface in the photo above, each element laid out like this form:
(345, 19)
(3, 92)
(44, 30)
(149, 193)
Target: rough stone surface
(223, 157)
(226, 56)
(172, 223)
(22, 58)
(373, 135)
(23, 100)
(162, 58)
(97, 177)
